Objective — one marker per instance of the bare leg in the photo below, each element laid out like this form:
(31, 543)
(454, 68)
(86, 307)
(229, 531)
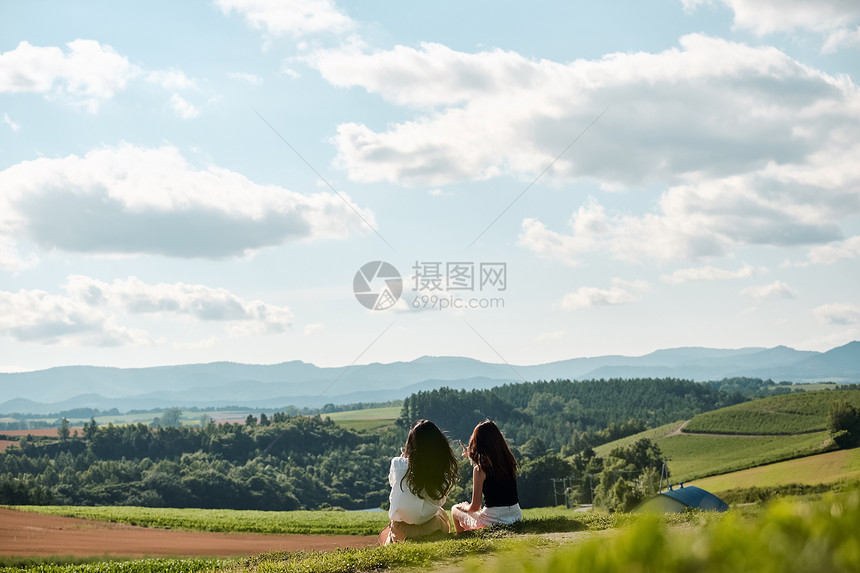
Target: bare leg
(455, 517)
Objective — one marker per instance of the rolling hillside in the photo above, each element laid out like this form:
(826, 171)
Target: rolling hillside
(745, 436)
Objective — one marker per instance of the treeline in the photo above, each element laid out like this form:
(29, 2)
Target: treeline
(289, 463)
(567, 416)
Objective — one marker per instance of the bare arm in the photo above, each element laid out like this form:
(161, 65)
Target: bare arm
(478, 477)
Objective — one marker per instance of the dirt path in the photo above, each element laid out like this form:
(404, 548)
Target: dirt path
(32, 534)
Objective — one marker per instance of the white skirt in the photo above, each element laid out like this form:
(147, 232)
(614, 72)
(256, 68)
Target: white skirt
(487, 516)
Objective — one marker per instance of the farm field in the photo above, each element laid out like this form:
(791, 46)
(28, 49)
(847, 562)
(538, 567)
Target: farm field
(746, 435)
(783, 414)
(370, 419)
(228, 520)
(829, 467)
(692, 457)
(28, 534)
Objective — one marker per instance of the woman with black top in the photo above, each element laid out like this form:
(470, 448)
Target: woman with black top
(494, 476)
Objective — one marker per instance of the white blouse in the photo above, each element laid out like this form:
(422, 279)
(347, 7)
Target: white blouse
(405, 505)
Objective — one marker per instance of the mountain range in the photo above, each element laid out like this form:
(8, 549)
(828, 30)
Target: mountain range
(302, 384)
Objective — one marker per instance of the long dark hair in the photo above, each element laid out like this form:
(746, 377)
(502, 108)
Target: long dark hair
(489, 451)
(432, 468)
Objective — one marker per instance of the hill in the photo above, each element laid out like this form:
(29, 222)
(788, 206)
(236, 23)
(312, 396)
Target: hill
(745, 435)
(302, 384)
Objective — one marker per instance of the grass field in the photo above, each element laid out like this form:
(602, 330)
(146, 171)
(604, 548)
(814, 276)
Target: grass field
(789, 537)
(783, 414)
(826, 468)
(370, 419)
(692, 457)
(253, 521)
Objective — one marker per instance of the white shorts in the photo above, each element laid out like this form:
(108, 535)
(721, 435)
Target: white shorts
(487, 516)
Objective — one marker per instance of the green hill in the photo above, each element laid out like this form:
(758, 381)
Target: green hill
(746, 435)
(784, 414)
(829, 467)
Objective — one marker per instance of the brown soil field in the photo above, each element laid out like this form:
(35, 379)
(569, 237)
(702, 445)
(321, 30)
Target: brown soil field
(52, 432)
(32, 534)
(5, 444)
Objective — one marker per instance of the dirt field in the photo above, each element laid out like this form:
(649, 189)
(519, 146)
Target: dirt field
(31, 534)
(52, 432)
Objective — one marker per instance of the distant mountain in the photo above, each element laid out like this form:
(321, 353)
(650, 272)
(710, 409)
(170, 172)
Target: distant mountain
(302, 384)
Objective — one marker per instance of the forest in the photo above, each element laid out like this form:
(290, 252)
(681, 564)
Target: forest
(285, 461)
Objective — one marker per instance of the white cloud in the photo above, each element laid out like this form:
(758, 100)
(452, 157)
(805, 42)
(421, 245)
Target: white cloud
(838, 313)
(11, 259)
(293, 17)
(840, 39)
(37, 316)
(87, 74)
(552, 335)
(132, 296)
(183, 108)
(127, 200)
(314, 328)
(781, 205)
(171, 79)
(832, 252)
(618, 293)
(252, 79)
(89, 311)
(711, 108)
(831, 19)
(769, 16)
(773, 291)
(707, 273)
(12, 125)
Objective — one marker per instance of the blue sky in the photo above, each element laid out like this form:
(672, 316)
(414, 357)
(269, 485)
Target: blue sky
(201, 181)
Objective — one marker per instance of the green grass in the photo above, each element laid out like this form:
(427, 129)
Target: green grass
(790, 537)
(273, 522)
(784, 414)
(828, 468)
(692, 457)
(547, 534)
(384, 413)
(227, 520)
(654, 434)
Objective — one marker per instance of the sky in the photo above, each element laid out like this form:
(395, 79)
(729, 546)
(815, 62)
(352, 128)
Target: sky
(203, 181)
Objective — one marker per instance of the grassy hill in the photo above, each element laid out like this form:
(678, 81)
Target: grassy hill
(784, 414)
(829, 467)
(777, 428)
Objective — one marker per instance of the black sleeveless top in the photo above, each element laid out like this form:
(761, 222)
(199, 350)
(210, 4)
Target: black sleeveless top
(500, 492)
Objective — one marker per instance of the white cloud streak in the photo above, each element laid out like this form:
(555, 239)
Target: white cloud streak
(183, 108)
(836, 251)
(12, 125)
(707, 273)
(130, 200)
(620, 292)
(773, 291)
(838, 313)
(89, 311)
(295, 18)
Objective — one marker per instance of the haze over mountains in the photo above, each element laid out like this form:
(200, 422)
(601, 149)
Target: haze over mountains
(302, 384)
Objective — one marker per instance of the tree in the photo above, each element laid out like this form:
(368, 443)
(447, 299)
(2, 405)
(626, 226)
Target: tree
(90, 429)
(63, 430)
(171, 418)
(250, 420)
(843, 422)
